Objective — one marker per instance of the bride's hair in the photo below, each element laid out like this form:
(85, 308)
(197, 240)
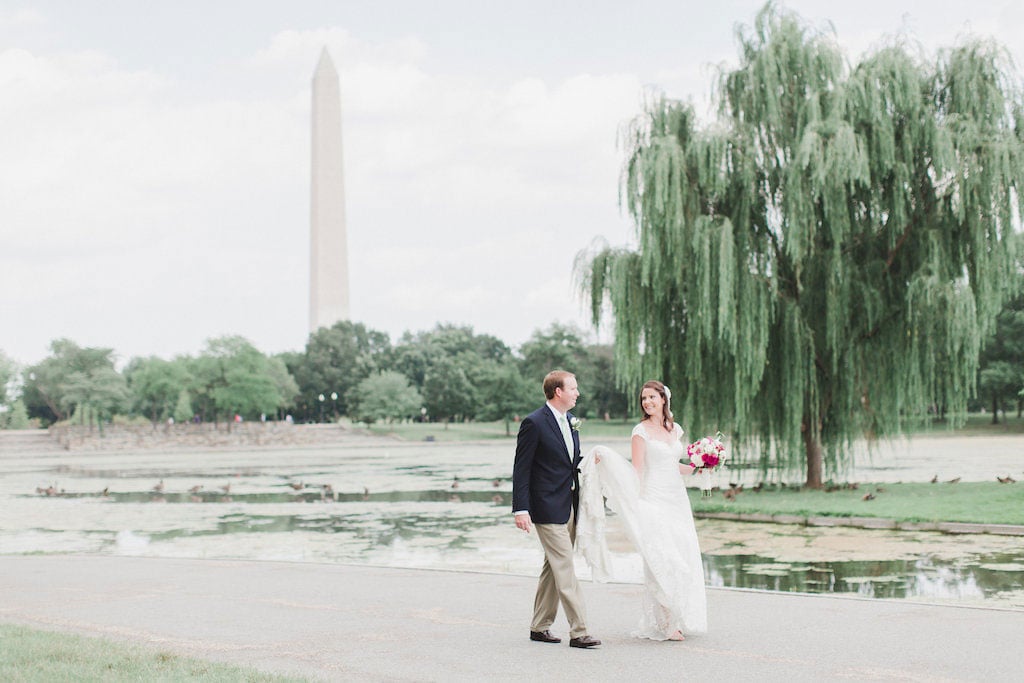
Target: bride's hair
(666, 413)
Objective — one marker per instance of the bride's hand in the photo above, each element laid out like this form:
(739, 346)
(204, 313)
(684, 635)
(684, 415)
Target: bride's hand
(597, 459)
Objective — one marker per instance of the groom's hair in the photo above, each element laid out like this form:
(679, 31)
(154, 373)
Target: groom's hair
(555, 380)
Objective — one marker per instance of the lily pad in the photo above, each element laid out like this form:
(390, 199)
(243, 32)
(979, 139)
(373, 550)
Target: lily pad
(1004, 567)
(873, 579)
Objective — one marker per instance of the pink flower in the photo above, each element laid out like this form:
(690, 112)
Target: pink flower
(706, 453)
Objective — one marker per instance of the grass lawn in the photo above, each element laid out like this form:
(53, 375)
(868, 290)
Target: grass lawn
(977, 424)
(31, 655)
(978, 502)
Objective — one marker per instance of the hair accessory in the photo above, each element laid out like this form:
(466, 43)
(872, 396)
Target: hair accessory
(668, 393)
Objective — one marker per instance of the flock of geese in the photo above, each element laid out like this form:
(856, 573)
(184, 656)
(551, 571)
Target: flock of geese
(327, 490)
(195, 492)
(736, 489)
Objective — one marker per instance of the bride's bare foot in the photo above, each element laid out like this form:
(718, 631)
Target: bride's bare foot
(678, 635)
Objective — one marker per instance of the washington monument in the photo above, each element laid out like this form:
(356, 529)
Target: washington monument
(328, 249)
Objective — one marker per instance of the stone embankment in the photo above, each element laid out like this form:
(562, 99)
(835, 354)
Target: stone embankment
(190, 436)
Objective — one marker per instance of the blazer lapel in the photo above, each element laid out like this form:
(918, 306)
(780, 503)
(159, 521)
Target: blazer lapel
(553, 424)
(575, 437)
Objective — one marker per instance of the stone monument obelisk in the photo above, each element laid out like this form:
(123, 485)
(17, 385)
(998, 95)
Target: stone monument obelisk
(328, 248)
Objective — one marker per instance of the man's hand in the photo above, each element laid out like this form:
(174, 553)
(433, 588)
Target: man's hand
(524, 522)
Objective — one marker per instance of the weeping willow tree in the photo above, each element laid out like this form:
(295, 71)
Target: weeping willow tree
(821, 263)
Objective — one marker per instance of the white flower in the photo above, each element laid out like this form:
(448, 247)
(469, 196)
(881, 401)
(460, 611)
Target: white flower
(575, 423)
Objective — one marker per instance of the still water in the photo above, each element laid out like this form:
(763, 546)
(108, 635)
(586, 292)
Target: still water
(436, 506)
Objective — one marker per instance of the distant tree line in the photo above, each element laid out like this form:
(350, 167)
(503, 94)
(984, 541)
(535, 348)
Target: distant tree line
(446, 374)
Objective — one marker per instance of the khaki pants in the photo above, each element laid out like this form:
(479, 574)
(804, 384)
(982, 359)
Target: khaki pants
(558, 580)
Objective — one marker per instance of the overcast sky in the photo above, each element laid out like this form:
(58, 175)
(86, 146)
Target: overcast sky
(154, 156)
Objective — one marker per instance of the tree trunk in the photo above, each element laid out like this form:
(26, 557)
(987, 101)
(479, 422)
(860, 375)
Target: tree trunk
(812, 443)
(995, 408)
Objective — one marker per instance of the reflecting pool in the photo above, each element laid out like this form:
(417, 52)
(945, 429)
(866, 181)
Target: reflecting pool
(436, 505)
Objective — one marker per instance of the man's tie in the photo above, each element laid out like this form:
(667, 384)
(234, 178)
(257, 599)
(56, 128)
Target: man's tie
(563, 423)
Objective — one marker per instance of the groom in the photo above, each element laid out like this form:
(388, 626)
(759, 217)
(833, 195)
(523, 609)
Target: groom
(545, 493)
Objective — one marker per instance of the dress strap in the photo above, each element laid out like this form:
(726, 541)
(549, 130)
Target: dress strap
(640, 431)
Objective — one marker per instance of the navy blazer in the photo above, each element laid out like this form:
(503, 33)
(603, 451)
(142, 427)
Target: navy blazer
(544, 478)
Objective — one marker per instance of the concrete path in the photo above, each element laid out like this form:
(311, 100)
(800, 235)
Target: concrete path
(335, 622)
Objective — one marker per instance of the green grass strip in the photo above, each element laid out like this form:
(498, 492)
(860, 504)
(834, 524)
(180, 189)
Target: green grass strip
(975, 502)
(31, 655)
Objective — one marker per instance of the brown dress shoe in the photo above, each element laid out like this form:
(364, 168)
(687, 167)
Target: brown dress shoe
(584, 641)
(544, 637)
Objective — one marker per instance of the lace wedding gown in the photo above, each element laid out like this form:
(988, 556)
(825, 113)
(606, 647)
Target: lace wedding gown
(655, 511)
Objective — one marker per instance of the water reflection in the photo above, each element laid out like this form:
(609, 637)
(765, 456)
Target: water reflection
(982, 577)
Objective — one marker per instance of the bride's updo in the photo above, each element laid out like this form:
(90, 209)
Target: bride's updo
(666, 395)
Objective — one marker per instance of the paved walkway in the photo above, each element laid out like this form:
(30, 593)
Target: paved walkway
(338, 622)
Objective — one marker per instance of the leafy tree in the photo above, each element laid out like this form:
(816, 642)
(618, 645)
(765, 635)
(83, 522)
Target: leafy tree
(490, 348)
(560, 347)
(73, 377)
(507, 394)
(156, 385)
(451, 351)
(183, 407)
(36, 395)
(823, 261)
(16, 416)
(447, 392)
(1001, 377)
(12, 410)
(96, 391)
(234, 377)
(8, 375)
(286, 385)
(603, 396)
(336, 359)
(411, 356)
(384, 396)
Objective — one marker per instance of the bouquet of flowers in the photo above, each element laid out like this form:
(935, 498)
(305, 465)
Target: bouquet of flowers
(706, 455)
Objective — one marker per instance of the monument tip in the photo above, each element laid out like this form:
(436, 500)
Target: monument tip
(325, 62)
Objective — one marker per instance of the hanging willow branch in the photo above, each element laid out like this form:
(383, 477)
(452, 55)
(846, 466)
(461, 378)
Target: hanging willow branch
(820, 264)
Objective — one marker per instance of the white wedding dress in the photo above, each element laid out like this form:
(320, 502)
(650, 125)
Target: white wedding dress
(655, 511)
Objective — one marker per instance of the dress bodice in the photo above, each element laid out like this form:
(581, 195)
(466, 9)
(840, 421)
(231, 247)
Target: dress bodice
(661, 462)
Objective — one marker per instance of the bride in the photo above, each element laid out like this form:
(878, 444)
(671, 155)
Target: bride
(650, 498)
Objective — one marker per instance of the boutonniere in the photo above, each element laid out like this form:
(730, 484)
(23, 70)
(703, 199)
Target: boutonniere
(574, 424)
